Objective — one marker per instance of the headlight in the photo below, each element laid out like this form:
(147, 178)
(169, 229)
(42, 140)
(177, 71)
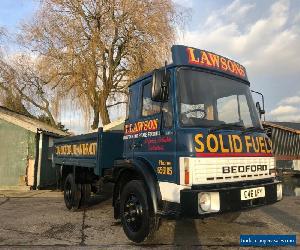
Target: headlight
(279, 192)
(208, 202)
(204, 201)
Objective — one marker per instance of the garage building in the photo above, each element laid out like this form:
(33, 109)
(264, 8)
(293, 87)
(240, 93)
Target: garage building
(25, 151)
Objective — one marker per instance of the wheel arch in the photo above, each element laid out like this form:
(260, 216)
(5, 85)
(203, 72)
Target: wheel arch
(138, 169)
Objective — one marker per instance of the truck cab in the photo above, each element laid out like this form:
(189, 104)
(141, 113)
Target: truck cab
(194, 134)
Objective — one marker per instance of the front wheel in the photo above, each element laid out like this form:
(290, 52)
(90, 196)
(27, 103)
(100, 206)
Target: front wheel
(137, 217)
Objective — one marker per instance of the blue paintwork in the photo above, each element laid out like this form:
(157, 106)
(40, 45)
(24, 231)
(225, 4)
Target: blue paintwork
(109, 148)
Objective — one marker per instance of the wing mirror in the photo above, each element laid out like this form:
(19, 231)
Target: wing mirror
(160, 85)
(259, 109)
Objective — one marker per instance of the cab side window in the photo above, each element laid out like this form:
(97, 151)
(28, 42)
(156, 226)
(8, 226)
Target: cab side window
(128, 105)
(150, 107)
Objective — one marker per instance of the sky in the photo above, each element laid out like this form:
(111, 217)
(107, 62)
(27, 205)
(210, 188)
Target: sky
(262, 35)
(13, 12)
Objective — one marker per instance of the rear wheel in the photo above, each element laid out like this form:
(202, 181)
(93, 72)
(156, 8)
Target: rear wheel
(72, 193)
(137, 217)
(85, 194)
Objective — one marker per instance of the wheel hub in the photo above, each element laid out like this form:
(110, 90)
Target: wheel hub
(133, 213)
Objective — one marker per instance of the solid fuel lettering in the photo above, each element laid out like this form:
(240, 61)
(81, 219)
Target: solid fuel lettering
(232, 144)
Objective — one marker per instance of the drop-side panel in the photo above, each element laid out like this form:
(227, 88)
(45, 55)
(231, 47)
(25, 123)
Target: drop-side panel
(96, 150)
(78, 150)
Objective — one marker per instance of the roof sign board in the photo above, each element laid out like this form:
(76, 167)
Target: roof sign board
(183, 55)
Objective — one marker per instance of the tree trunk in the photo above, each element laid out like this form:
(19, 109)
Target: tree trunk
(96, 117)
(103, 111)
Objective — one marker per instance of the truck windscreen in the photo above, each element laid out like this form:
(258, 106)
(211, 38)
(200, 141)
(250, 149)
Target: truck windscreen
(208, 100)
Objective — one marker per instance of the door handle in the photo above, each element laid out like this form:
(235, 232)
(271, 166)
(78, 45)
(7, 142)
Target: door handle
(136, 145)
(168, 132)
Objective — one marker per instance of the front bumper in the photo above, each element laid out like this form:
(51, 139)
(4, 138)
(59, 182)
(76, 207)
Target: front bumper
(230, 199)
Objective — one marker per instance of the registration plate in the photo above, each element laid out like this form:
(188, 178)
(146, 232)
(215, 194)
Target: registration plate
(252, 193)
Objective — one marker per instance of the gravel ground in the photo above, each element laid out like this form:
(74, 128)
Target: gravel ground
(36, 219)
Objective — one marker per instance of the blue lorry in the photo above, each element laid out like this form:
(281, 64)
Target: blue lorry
(192, 146)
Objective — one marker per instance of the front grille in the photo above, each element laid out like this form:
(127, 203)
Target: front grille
(210, 170)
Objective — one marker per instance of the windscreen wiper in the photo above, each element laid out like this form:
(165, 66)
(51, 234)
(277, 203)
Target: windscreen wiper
(227, 126)
(252, 129)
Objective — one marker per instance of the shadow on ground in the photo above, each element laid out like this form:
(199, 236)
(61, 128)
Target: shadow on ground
(104, 195)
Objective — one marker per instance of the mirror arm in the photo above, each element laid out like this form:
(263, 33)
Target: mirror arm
(164, 87)
(161, 118)
(263, 101)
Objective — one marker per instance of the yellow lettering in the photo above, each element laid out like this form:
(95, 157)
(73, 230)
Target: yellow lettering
(191, 56)
(230, 65)
(57, 151)
(198, 141)
(224, 64)
(241, 70)
(215, 59)
(85, 149)
(224, 150)
(262, 144)
(205, 60)
(255, 145)
(230, 143)
(94, 148)
(248, 144)
(209, 144)
(69, 149)
(237, 148)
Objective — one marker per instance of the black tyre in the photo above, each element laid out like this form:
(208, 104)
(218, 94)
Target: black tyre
(137, 217)
(72, 193)
(85, 194)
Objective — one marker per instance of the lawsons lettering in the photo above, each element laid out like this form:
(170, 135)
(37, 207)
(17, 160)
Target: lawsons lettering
(139, 129)
(77, 149)
(141, 126)
(232, 144)
(211, 60)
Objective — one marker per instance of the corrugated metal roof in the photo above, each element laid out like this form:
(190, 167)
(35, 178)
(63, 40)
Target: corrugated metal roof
(285, 141)
(292, 125)
(284, 126)
(28, 123)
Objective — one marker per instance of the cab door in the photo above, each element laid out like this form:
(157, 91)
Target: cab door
(155, 142)
(131, 119)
